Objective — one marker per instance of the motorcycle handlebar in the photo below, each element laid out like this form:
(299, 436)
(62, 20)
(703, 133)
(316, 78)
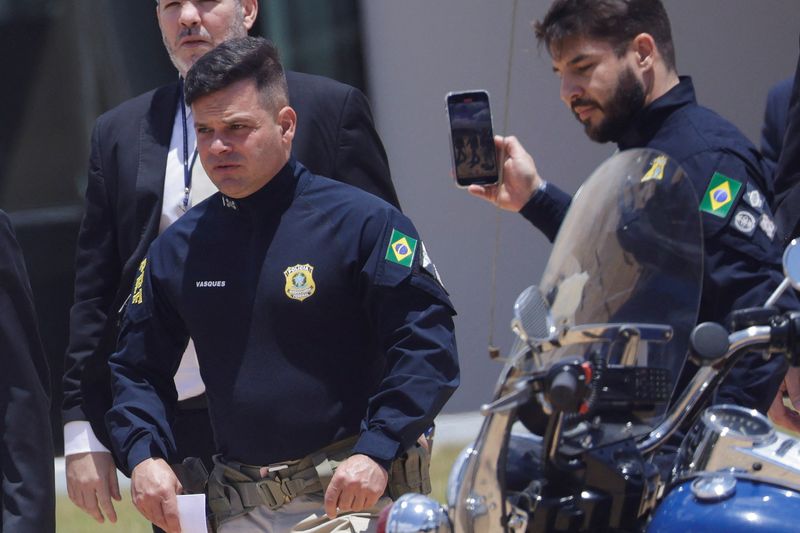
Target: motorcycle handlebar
(563, 393)
(785, 337)
(782, 335)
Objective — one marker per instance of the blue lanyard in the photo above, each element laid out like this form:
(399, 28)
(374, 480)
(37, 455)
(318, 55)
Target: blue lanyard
(187, 165)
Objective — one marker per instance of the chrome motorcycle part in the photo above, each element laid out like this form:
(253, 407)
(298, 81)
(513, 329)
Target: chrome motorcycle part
(520, 393)
(415, 513)
(742, 441)
(532, 321)
(456, 478)
(791, 263)
(791, 269)
(738, 423)
(702, 385)
(714, 487)
(479, 502)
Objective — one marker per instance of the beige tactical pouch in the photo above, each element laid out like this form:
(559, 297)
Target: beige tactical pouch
(411, 472)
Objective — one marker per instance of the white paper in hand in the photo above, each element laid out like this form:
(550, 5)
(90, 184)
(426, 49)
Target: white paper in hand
(192, 513)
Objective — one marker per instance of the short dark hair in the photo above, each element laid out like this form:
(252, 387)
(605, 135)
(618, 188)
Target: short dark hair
(614, 21)
(243, 58)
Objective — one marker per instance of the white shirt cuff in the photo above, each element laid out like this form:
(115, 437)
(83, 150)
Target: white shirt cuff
(79, 438)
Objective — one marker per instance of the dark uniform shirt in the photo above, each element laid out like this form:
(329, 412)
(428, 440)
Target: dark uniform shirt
(316, 316)
(742, 263)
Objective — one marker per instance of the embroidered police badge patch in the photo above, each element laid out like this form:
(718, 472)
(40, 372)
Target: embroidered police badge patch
(299, 282)
(401, 249)
(720, 195)
(656, 171)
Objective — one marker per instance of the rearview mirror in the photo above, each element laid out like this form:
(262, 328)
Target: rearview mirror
(532, 320)
(791, 269)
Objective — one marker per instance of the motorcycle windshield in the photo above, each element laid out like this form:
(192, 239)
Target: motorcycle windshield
(629, 251)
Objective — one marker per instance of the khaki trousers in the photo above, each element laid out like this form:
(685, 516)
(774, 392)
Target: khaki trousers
(304, 514)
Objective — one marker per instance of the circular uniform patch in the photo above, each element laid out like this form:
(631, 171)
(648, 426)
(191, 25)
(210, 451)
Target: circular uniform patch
(745, 222)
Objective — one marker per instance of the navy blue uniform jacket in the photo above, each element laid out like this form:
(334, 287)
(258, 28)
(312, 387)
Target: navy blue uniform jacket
(787, 175)
(26, 443)
(335, 136)
(739, 270)
(306, 331)
(776, 114)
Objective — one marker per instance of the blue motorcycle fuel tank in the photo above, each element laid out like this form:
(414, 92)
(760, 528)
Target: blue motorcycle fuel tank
(750, 506)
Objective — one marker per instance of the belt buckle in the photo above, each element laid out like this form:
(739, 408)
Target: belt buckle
(267, 471)
(271, 488)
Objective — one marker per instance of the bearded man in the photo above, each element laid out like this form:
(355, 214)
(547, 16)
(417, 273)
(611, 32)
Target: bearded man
(616, 63)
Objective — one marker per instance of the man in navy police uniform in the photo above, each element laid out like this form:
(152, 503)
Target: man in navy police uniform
(616, 62)
(141, 152)
(315, 311)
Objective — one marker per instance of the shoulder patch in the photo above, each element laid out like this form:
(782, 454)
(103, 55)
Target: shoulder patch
(744, 221)
(401, 249)
(137, 286)
(428, 265)
(767, 225)
(754, 198)
(720, 195)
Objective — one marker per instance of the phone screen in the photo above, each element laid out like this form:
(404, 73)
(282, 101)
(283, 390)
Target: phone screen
(474, 158)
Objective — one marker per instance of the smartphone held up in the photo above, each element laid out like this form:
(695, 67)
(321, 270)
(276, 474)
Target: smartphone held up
(471, 138)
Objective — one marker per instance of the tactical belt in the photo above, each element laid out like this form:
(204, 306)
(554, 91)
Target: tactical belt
(235, 489)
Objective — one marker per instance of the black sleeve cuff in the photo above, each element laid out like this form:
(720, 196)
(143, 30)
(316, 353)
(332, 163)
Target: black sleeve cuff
(546, 210)
(386, 464)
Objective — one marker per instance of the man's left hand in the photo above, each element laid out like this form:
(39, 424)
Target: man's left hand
(357, 484)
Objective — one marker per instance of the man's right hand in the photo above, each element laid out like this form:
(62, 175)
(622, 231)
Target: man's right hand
(520, 178)
(782, 415)
(154, 491)
(92, 483)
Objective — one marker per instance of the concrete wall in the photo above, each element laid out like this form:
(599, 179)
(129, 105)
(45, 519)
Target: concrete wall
(418, 50)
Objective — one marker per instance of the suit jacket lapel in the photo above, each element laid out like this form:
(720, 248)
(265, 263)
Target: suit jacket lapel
(154, 137)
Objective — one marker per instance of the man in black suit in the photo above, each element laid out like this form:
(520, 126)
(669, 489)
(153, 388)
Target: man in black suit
(26, 443)
(142, 177)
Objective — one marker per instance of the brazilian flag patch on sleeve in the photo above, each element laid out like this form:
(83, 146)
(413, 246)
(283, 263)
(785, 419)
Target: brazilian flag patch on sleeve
(401, 249)
(720, 195)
